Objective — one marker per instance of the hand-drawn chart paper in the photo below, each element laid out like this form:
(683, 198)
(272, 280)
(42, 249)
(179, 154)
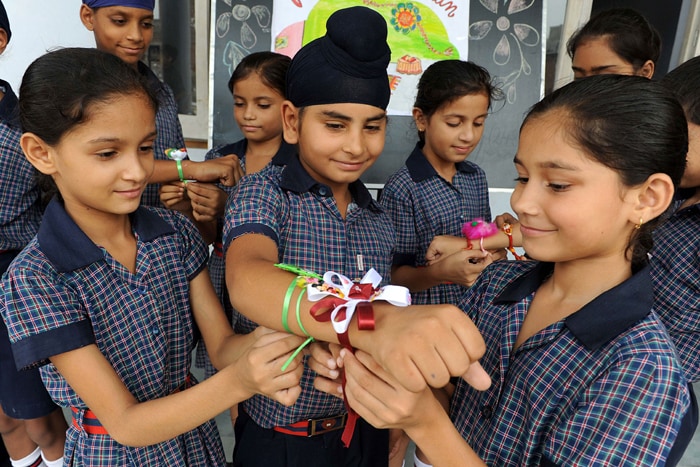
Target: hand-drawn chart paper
(419, 33)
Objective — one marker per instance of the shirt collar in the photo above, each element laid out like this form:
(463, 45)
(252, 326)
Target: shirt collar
(68, 248)
(420, 169)
(602, 319)
(8, 105)
(295, 178)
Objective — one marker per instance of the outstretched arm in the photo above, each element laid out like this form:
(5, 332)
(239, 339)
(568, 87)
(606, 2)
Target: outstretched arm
(420, 344)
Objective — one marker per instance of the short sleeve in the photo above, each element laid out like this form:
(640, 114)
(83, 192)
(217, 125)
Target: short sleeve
(44, 316)
(193, 250)
(398, 201)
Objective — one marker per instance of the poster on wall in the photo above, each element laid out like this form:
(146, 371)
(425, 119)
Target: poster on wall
(419, 33)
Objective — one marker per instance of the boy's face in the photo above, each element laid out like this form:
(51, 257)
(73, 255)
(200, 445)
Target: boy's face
(337, 142)
(122, 31)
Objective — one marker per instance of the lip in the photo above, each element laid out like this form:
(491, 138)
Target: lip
(528, 231)
(131, 193)
(249, 128)
(463, 149)
(350, 166)
(132, 50)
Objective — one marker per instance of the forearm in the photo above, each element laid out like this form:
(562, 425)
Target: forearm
(166, 171)
(416, 279)
(442, 444)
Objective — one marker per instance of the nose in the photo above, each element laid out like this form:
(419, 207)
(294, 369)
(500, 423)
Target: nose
(138, 167)
(134, 32)
(248, 113)
(467, 133)
(523, 200)
(354, 143)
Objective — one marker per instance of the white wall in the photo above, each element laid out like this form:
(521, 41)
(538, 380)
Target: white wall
(37, 27)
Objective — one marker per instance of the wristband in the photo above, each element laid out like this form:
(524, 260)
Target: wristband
(285, 305)
(179, 170)
(419, 463)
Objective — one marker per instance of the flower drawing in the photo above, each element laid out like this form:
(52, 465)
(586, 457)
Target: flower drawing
(405, 17)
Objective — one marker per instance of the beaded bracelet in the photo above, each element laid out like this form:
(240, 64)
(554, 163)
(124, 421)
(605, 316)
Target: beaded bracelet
(508, 230)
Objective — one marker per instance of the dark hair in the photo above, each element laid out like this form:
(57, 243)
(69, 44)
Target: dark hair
(684, 82)
(629, 35)
(270, 66)
(59, 88)
(629, 124)
(446, 81)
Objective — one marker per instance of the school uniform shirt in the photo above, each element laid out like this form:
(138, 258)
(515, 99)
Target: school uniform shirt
(301, 216)
(675, 262)
(600, 387)
(20, 203)
(217, 262)
(167, 125)
(64, 292)
(424, 205)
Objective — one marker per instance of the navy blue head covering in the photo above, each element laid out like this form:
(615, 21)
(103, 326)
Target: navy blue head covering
(5, 21)
(347, 65)
(144, 4)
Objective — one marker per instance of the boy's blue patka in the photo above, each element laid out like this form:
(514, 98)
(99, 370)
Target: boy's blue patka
(145, 4)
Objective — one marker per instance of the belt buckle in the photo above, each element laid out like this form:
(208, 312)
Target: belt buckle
(326, 425)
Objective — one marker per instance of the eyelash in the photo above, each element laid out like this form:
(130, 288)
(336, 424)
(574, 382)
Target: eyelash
(556, 187)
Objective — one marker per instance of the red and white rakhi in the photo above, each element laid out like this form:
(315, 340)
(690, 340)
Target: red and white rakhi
(339, 299)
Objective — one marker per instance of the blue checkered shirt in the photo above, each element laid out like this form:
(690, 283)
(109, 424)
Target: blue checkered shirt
(675, 271)
(301, 216)
(64, 292)
(601, 387)
(168, 128)
(20, 207)
(423, 205)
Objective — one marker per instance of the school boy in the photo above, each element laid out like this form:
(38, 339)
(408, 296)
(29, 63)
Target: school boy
(125, 28)
(316, 214)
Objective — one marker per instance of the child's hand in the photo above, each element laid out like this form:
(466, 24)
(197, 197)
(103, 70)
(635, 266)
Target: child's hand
(380, 399)
(208, 201)
(463, 267)
(504, 218)
(225, 170)
(323, 361)
(260, 366)
(174, 196)
(425, 345)
(442, 246)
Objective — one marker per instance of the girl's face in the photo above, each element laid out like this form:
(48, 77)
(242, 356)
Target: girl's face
(103, 165)
(570, 206)
(454, 130)
(257, 109)
(595, 57)
(122, 31)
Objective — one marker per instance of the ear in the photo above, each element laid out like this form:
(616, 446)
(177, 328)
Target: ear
(419, 118)
(647, 70)
(87, 17)
(291, 121)
(3, 40)
(652, 198)
(38, 153)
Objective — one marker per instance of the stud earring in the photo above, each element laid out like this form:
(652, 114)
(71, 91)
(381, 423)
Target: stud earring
(639, 225)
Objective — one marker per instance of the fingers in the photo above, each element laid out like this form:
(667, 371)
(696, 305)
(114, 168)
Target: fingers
(477, 377)
(329, 386)
(504, 218)
(322, 361)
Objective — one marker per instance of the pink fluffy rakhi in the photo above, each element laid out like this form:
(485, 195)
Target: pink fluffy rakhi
(478, 229)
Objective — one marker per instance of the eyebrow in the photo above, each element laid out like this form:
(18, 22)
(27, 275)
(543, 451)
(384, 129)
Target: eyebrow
(549, 165)
(594, 69)
(116, 140)
(347, 118)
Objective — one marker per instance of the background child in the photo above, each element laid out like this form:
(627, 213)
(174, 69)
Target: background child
(675, 258)
(257, 85)
(584, 372)
(104, 296)
(32, 426)
(125, 29)
(438, 190)
(618, 41)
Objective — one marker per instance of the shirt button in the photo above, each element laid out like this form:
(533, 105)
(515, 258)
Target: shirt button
(486, 411)
(323, 191)
(142, 289)
(155, 331)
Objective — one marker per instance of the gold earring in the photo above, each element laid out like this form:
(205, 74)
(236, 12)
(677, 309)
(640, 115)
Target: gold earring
(639, 225)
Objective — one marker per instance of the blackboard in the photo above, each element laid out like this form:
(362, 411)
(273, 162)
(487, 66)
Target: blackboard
(506, 38)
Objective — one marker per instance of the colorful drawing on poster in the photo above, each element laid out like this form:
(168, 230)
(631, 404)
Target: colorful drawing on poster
(419, 33)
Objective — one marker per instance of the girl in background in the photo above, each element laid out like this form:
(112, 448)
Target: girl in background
(438, 189)
(618, 41)
(105, 298)
(257, 85)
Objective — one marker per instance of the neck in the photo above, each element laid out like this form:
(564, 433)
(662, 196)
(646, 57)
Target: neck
(260, 153)
(102, 228)
(693, 199)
